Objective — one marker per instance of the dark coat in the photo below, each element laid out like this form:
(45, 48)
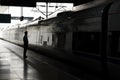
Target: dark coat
(25, 40)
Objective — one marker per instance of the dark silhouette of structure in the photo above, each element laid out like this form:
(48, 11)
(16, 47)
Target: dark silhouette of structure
(25, 40)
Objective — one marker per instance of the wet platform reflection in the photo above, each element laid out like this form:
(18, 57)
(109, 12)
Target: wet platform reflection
(13, 67)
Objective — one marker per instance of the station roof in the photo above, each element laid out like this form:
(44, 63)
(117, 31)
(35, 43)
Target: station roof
(31, 3)
(76, 2)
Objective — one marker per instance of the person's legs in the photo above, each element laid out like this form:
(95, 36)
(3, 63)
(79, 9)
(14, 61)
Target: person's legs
(25, 50)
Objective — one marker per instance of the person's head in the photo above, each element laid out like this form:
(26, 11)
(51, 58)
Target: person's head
(26, 32)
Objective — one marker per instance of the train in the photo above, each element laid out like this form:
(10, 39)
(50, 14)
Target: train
(92, 33)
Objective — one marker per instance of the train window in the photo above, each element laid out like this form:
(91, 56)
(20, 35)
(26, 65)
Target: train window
(41, 38)
(48, 39)
(114, 41)
(44, 43)
(60, 39)
(16, 36)
(86, 42)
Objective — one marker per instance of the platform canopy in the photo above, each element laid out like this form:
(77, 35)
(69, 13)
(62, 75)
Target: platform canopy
(76, 2)
(32, 3)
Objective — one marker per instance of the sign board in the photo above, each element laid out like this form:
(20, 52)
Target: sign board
(5, 18)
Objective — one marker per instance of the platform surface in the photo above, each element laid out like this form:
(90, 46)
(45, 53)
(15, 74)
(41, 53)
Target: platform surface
(14, 67)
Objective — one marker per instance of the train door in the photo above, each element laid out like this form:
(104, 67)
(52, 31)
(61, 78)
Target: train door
(60, 39)
(114, 29)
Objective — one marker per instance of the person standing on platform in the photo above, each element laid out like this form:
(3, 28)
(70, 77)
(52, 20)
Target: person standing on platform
(25, 40)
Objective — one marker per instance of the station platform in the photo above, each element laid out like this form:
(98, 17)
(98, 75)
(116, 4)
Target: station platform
(38, 66)
(14, 67)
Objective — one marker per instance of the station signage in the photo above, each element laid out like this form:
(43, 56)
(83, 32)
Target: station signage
(5, 18)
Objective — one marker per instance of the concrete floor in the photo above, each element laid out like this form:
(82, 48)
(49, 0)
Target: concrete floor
(14, 67)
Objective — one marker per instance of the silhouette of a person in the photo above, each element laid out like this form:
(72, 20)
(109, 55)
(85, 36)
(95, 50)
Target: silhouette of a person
(25, 40)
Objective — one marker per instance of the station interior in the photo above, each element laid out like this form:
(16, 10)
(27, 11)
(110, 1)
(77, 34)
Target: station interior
(59, 40)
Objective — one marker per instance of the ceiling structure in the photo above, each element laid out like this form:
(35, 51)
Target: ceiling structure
(76, 2)
(32, 3)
